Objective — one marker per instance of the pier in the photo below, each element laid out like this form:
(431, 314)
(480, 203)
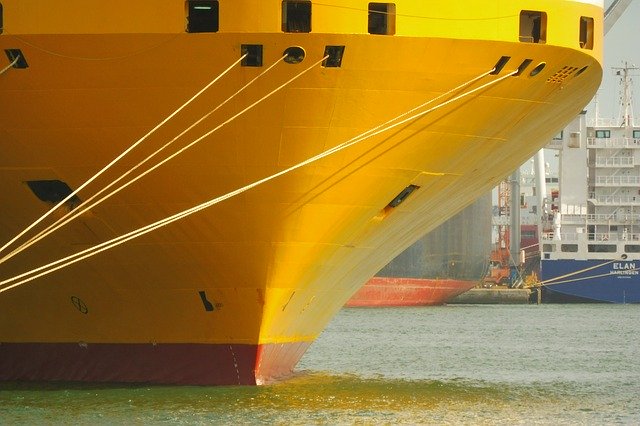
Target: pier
(493, 296)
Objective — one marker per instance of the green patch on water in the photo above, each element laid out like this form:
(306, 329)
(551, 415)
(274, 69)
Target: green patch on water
(309, 397)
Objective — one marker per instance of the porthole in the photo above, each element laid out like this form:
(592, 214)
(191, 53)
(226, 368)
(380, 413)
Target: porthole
(294, 55)
(500, 64)
(253, 54)
(334, 56)
(523, 66)
(581, 70)
(537, 69)
(398, 199)
(16, 57)
(53, 191)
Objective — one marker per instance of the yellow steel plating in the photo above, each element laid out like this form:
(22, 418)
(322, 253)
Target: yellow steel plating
(277, 262)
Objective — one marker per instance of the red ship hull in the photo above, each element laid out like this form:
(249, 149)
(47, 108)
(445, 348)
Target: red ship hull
(180, 364)
(446, 262)
(391, 291)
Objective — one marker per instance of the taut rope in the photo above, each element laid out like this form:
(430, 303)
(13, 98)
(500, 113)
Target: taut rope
(5, 69)
(61, 263)
(118, 158)
(85, 205)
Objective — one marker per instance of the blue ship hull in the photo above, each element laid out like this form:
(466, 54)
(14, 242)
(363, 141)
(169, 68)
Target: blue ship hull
(605, 280)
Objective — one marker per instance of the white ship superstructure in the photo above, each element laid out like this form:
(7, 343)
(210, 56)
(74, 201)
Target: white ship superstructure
(592, 250)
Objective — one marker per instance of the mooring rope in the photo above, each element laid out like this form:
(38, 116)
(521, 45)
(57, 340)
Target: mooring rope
(590, 277)
(85, 205)
(69, 260)
(119, 157)
(174, 155)
(15, 61)
(550, 281)
(422, 113)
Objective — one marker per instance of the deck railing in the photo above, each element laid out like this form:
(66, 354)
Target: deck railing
(604, 122)
(615, 200)
(572, 237)
(613, 143)
(600, 218)
(618, 180)
(615, 162)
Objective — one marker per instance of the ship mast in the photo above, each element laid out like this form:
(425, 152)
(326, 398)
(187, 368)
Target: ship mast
(596, 107)
(625, 116)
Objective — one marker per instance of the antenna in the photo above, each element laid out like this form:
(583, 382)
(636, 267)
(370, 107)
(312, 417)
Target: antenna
(625, 115)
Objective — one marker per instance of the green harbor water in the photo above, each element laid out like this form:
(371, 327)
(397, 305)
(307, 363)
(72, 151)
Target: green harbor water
(462, 364)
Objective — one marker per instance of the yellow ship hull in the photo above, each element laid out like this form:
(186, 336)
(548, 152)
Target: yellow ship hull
(236, 292)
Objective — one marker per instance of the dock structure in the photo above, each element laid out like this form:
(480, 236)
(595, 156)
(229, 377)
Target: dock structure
(493, 296)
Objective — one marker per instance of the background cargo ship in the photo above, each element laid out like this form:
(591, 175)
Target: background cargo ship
(270, 157)
(523, 267)
(591, 252)
(446, 262)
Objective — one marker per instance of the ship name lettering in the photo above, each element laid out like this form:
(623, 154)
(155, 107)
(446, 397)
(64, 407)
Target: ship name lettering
(628, 265)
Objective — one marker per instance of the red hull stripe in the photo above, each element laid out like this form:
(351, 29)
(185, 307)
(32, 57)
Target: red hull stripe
(185, 364)
(391, 291)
